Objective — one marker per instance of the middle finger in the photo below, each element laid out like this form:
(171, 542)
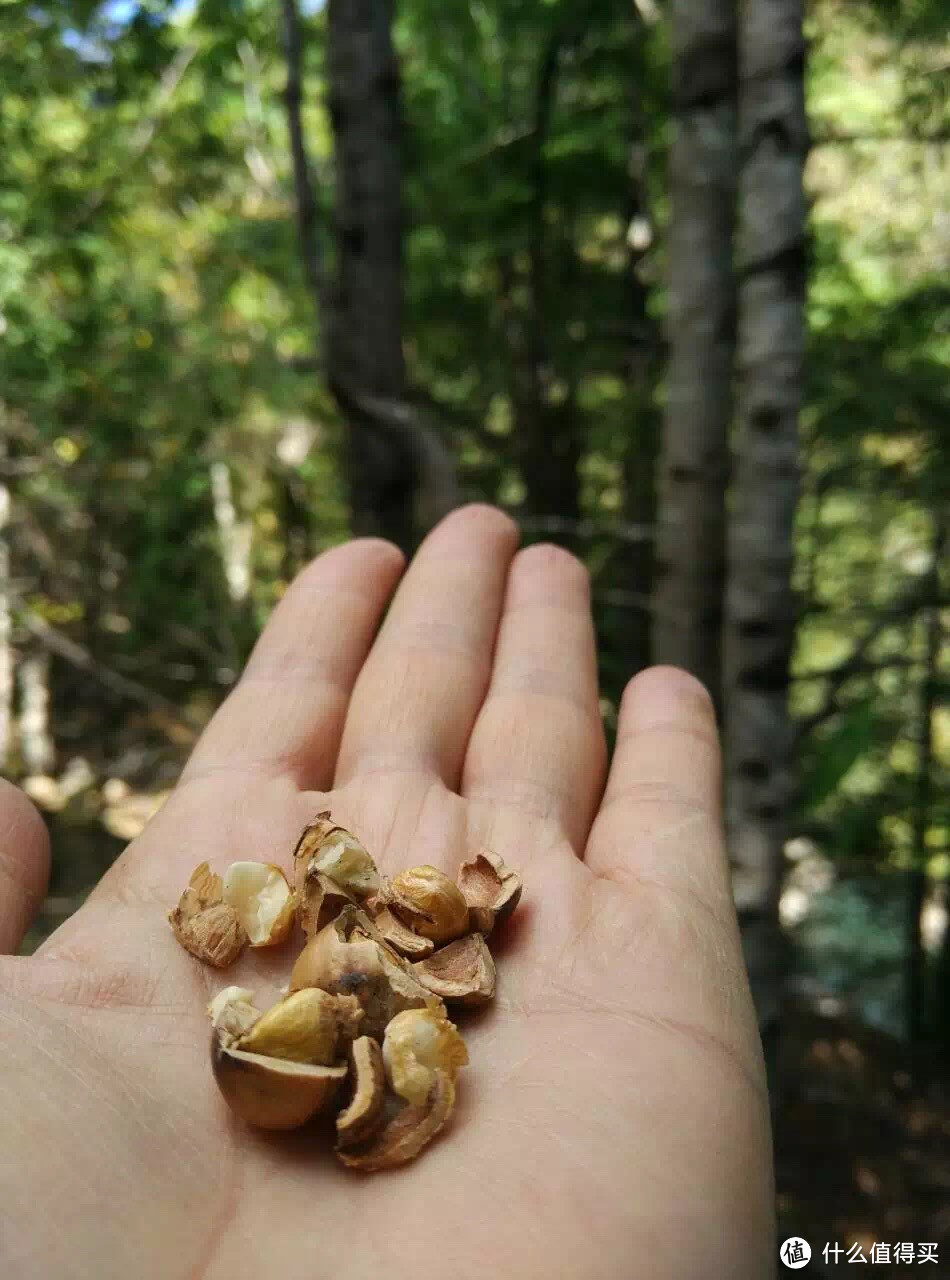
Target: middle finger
(419, 692)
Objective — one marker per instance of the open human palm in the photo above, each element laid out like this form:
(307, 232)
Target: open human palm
(612, 1122)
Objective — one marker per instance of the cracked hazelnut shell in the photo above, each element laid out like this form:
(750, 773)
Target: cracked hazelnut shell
(461, 973)
(348, 957)
(272, 1093)
(491, 889)
(331, 868)
(401, 938)
(363, 1115)
(405, 1135)
(205, 926)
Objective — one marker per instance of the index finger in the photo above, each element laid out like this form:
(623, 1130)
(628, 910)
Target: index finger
(285, 716)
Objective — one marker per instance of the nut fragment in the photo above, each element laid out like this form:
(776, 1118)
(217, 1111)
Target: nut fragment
(303, 1027)
(491, 889)
(348, 957)
(401, 938)
(272, 1093)
(319, 901)
(461, 973)
(263, 900)
(361, 1118)
(419, 1045)
(407, 1132)
(204, 925)
(331, 868)
(427, 901)
(233, 1012)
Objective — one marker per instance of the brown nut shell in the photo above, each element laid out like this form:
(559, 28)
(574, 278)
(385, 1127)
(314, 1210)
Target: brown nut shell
(401, 938)
(345, 958)
(491, 889)
(405, 1135)
(364, 1114)
(204, 925)
(331, 868)
(273, 1093)
(319, 901)
(461, 973)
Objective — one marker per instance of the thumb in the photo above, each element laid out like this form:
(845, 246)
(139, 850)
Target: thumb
(24, 865)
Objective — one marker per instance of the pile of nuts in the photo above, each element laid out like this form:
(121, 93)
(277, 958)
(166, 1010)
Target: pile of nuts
(363, 1028)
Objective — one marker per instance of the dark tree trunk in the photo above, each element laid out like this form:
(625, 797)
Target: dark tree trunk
(690, 545)
(546, 431)
(365, 335)
(643, 370)
(759, 604)
(400, 476)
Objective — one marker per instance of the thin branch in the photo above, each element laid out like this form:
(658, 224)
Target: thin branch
(634, 533)
(937, 138)
(916, 597)
(306, 201)
(860, 669)
(142, 136)
(80, 657)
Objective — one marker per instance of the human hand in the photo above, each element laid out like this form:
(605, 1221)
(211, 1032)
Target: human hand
(613, 1122)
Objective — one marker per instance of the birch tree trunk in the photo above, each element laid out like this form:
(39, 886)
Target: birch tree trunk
(928, 700)
(760, 609)
(36, 741)
(689, 564)
(234, 535)
(6, 627)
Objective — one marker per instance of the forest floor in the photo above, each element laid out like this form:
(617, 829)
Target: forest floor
(862, 1146)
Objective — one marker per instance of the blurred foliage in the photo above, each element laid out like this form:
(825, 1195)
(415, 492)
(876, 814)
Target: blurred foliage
(155, 324)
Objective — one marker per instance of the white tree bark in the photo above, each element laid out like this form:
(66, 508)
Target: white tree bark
(6, 626)
(234, 535)
(760, 609)
(36, 742)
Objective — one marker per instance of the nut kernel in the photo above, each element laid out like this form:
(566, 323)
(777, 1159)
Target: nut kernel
(303, 1027)
(263, 900)
(429, 902)
(418, 1045)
